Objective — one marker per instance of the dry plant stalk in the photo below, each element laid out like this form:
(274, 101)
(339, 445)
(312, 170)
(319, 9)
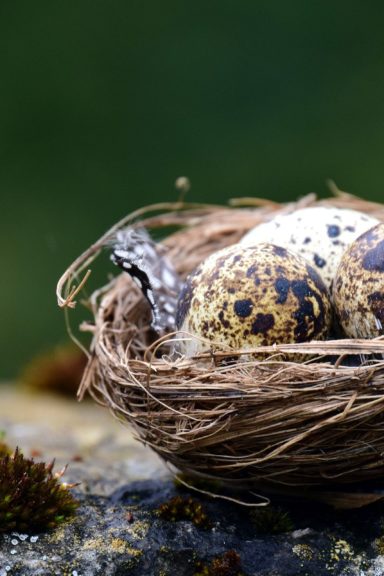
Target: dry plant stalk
(274, 424)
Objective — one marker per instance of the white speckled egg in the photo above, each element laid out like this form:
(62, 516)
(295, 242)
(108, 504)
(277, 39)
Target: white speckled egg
(358, 290)
(320, 234)
(245, 296)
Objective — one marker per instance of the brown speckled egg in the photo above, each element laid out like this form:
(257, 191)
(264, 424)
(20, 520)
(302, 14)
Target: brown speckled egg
(318, 233)
(245, 296)
(358, 291)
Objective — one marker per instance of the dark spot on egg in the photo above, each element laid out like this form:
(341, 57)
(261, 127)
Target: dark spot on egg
(316, 279)
(262, 323)
(333, 230)
(209, 295)
(282, 288)
(376, 302)
(339, 283)
(243, 308)
(320, 262)
(374, 259)
(222, 319)
(305, 314)
(251, 270)
(350, 228)
(307, 240)
(302, 315)
(300, 288)
(280, 251)
(371, 236)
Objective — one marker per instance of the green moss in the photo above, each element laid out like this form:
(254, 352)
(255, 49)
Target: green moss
(379, 544)
(271, 520)
(228, 564)
(179, 508)
(4, 448)
(31, 496)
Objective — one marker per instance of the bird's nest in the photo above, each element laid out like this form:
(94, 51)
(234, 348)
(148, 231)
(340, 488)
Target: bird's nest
(274, 424)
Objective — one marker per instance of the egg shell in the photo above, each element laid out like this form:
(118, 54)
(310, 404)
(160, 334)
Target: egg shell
(246, 296)
(358, 291)
(320, 234)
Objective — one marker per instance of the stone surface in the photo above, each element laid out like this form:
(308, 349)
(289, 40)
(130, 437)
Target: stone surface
(118, 530)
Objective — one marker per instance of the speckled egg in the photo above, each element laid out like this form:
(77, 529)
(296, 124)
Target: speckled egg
(319, 234)
(358, 290)
(245, 296)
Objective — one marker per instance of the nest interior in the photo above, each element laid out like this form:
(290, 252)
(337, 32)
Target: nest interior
(272, 423)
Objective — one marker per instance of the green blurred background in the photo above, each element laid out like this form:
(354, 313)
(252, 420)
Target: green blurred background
(103, 104)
